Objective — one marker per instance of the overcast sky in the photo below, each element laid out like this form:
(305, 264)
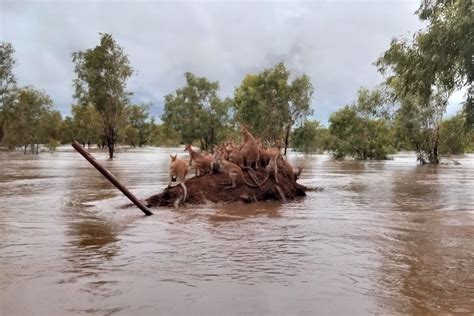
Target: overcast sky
(334, 42)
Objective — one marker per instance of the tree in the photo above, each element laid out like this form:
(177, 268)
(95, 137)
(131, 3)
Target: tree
(7, 83)
(357, 130)
(102, 73)
(269, 97)
(164, 135)
(87, 124)
(67, 130)
(419, 123)
(139, 125)
(30, 115)
(453, 137)
(310, 137)
(196, 112)
(425, 70)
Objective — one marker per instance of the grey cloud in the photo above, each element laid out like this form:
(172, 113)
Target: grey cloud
(335, 43)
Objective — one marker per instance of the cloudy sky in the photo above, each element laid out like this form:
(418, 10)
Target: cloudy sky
(334, 42)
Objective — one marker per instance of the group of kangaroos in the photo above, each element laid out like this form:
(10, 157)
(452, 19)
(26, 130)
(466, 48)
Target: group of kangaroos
(231, 159)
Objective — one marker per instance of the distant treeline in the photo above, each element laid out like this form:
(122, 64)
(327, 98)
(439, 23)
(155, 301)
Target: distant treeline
(405, 112)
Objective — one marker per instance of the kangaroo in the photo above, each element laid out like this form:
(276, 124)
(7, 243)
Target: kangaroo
(236, 157)
(272, 167)
(202, 163)
(266, 154)
(297, 172)
(178, 170)
(289, 168)
(234, 172)
(249, 148)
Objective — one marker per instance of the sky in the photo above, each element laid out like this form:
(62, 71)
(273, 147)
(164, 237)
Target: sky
(333, 42)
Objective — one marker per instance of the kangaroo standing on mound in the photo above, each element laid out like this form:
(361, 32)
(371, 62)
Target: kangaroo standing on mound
(178, 170)
(235, 156)
(249, 148)
(202, 163)
(234, 172)
(272, 167)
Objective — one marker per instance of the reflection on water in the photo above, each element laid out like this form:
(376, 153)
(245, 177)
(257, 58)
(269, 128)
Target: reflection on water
(383, 237)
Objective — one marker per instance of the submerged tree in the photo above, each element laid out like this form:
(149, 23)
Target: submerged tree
(359, 130)
(425, 70)
(102, 73)
(310, 137)
(7, 84)
(164, 135)
(453, 137)
(139, 125)
(196, 112)
(87, 125)
(28, 123)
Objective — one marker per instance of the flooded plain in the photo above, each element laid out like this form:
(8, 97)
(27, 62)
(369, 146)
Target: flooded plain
(388, 237)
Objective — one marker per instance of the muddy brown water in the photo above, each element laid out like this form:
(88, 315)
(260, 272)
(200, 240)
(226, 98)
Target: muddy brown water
(383, 237)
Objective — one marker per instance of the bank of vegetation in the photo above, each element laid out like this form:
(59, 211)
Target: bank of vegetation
(405, 112)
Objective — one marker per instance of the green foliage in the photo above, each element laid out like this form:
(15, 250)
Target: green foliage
(67, 130)
(7, 84)
(32, 121)
(196, 112)
(53, 144)
(269, 97)
(453, 137)
(139, 125)
(355, 132)
(424, 71)
(418, 123)
(163, 135)
(310, 137)
(102, 73)
(86, 125)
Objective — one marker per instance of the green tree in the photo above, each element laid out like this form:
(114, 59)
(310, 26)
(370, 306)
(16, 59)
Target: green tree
(139, 125)
(425, 70)
(269, 97)
(453, 137)
(102, 73)
(196, 111)
(310, 137)
(67, 130)
(164, 135)
(7, 84)
(31, 112)
(358, 131)
(87, 124)
(419, 123)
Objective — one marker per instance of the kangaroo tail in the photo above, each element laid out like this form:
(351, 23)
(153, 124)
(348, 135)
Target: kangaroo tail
(248, 183)
(266, 178)
(185, 191)
(252, 175)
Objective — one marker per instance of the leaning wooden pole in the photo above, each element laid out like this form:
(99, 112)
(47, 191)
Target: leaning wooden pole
(106, 173)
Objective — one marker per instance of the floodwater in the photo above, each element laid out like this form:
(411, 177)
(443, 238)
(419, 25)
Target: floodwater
(388, 237)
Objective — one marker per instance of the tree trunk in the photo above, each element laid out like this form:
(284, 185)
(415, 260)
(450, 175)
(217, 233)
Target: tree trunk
(25, 148)
(287, 138)
(111, 150)
(435, 158)
(212, 139)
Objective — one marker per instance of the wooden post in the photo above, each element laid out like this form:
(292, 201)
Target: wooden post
(106, 173)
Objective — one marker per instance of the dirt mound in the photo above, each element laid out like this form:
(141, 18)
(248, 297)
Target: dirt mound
(209, 188)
